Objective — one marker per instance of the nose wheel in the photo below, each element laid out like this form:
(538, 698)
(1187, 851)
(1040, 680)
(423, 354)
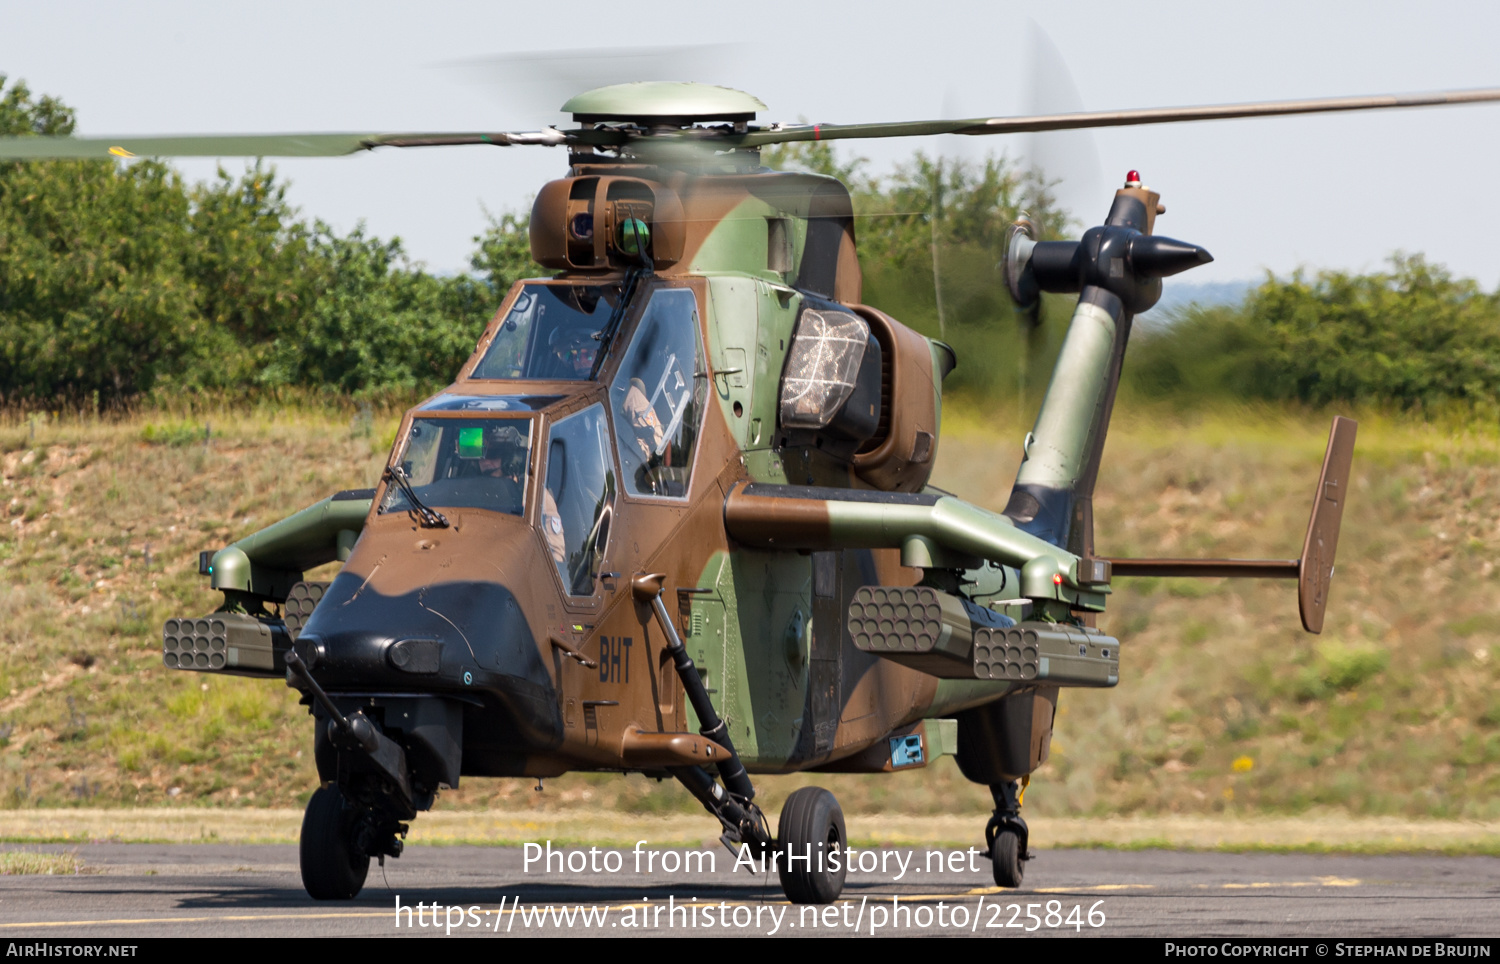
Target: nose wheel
(333, 865)
(810, 832)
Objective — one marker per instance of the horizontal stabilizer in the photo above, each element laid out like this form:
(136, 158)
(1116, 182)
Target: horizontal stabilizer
(1314, 571)
(1207, 568)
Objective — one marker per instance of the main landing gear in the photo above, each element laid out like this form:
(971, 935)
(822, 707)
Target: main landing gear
(810, 831)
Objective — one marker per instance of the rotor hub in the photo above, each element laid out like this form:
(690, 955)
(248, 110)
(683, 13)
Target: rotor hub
(663, 104)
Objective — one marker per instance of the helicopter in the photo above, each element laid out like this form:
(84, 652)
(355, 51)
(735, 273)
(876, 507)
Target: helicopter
(673, 516)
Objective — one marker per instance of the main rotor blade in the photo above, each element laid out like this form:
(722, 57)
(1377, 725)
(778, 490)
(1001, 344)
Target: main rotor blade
(1119, 118)
(34, 147)
(37, 147)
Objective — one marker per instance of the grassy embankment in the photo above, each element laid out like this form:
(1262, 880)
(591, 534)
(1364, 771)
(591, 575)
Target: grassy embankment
(1225, 707)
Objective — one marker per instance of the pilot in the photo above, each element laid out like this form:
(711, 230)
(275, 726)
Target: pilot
(641, 418)
(573, 352)
(504, 460)
(552, 528)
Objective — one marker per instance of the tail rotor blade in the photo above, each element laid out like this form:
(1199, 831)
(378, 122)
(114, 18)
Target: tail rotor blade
(1062, 164)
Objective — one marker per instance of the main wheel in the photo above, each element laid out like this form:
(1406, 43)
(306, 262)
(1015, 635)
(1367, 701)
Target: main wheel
(1005, 853)
(811, 829)
(333, 868)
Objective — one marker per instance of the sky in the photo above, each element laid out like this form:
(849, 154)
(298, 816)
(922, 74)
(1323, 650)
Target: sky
(1262, 195)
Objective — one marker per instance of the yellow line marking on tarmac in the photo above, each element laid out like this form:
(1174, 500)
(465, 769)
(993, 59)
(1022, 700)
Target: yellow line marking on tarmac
(1262, 884)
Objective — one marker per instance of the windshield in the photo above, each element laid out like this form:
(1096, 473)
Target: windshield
(550, 332)
(469, 463)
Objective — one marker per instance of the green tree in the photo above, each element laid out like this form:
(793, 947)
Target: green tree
(93, 297)
(251, 264)
(1411, 337)
(117, 280)
(378, 323)
(502, 254)
(20, 113)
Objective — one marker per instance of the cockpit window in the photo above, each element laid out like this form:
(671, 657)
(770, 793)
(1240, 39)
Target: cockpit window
(489, 403)
(657, 397)
(578, 496)
(468, 463)
(550, 333)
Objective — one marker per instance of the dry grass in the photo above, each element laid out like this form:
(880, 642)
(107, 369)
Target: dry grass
(102, 522)
(1226, 708)
(14, 862)
(1225, 705)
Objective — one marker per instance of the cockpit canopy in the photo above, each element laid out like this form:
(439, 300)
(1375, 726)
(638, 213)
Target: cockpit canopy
(551, 332)
(456, 460)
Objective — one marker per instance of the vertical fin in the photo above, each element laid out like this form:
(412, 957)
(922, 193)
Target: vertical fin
(1315, 571)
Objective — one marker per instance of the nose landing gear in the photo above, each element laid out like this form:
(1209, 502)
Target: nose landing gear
(333, 865)
(339, 836)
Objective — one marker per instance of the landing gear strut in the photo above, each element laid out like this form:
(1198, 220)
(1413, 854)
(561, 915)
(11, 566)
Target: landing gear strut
(1006, 836)
(733, 803)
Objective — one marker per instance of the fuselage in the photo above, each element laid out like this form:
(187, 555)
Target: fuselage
(594, 435)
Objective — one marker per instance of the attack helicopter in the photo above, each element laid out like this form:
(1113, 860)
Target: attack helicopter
(673, 514)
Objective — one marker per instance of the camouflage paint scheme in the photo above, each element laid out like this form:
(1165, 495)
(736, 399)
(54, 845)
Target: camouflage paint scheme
(761, 635)
(464, 643)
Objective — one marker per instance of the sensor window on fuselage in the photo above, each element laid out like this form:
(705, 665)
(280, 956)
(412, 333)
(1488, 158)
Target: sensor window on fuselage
(550, 332)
